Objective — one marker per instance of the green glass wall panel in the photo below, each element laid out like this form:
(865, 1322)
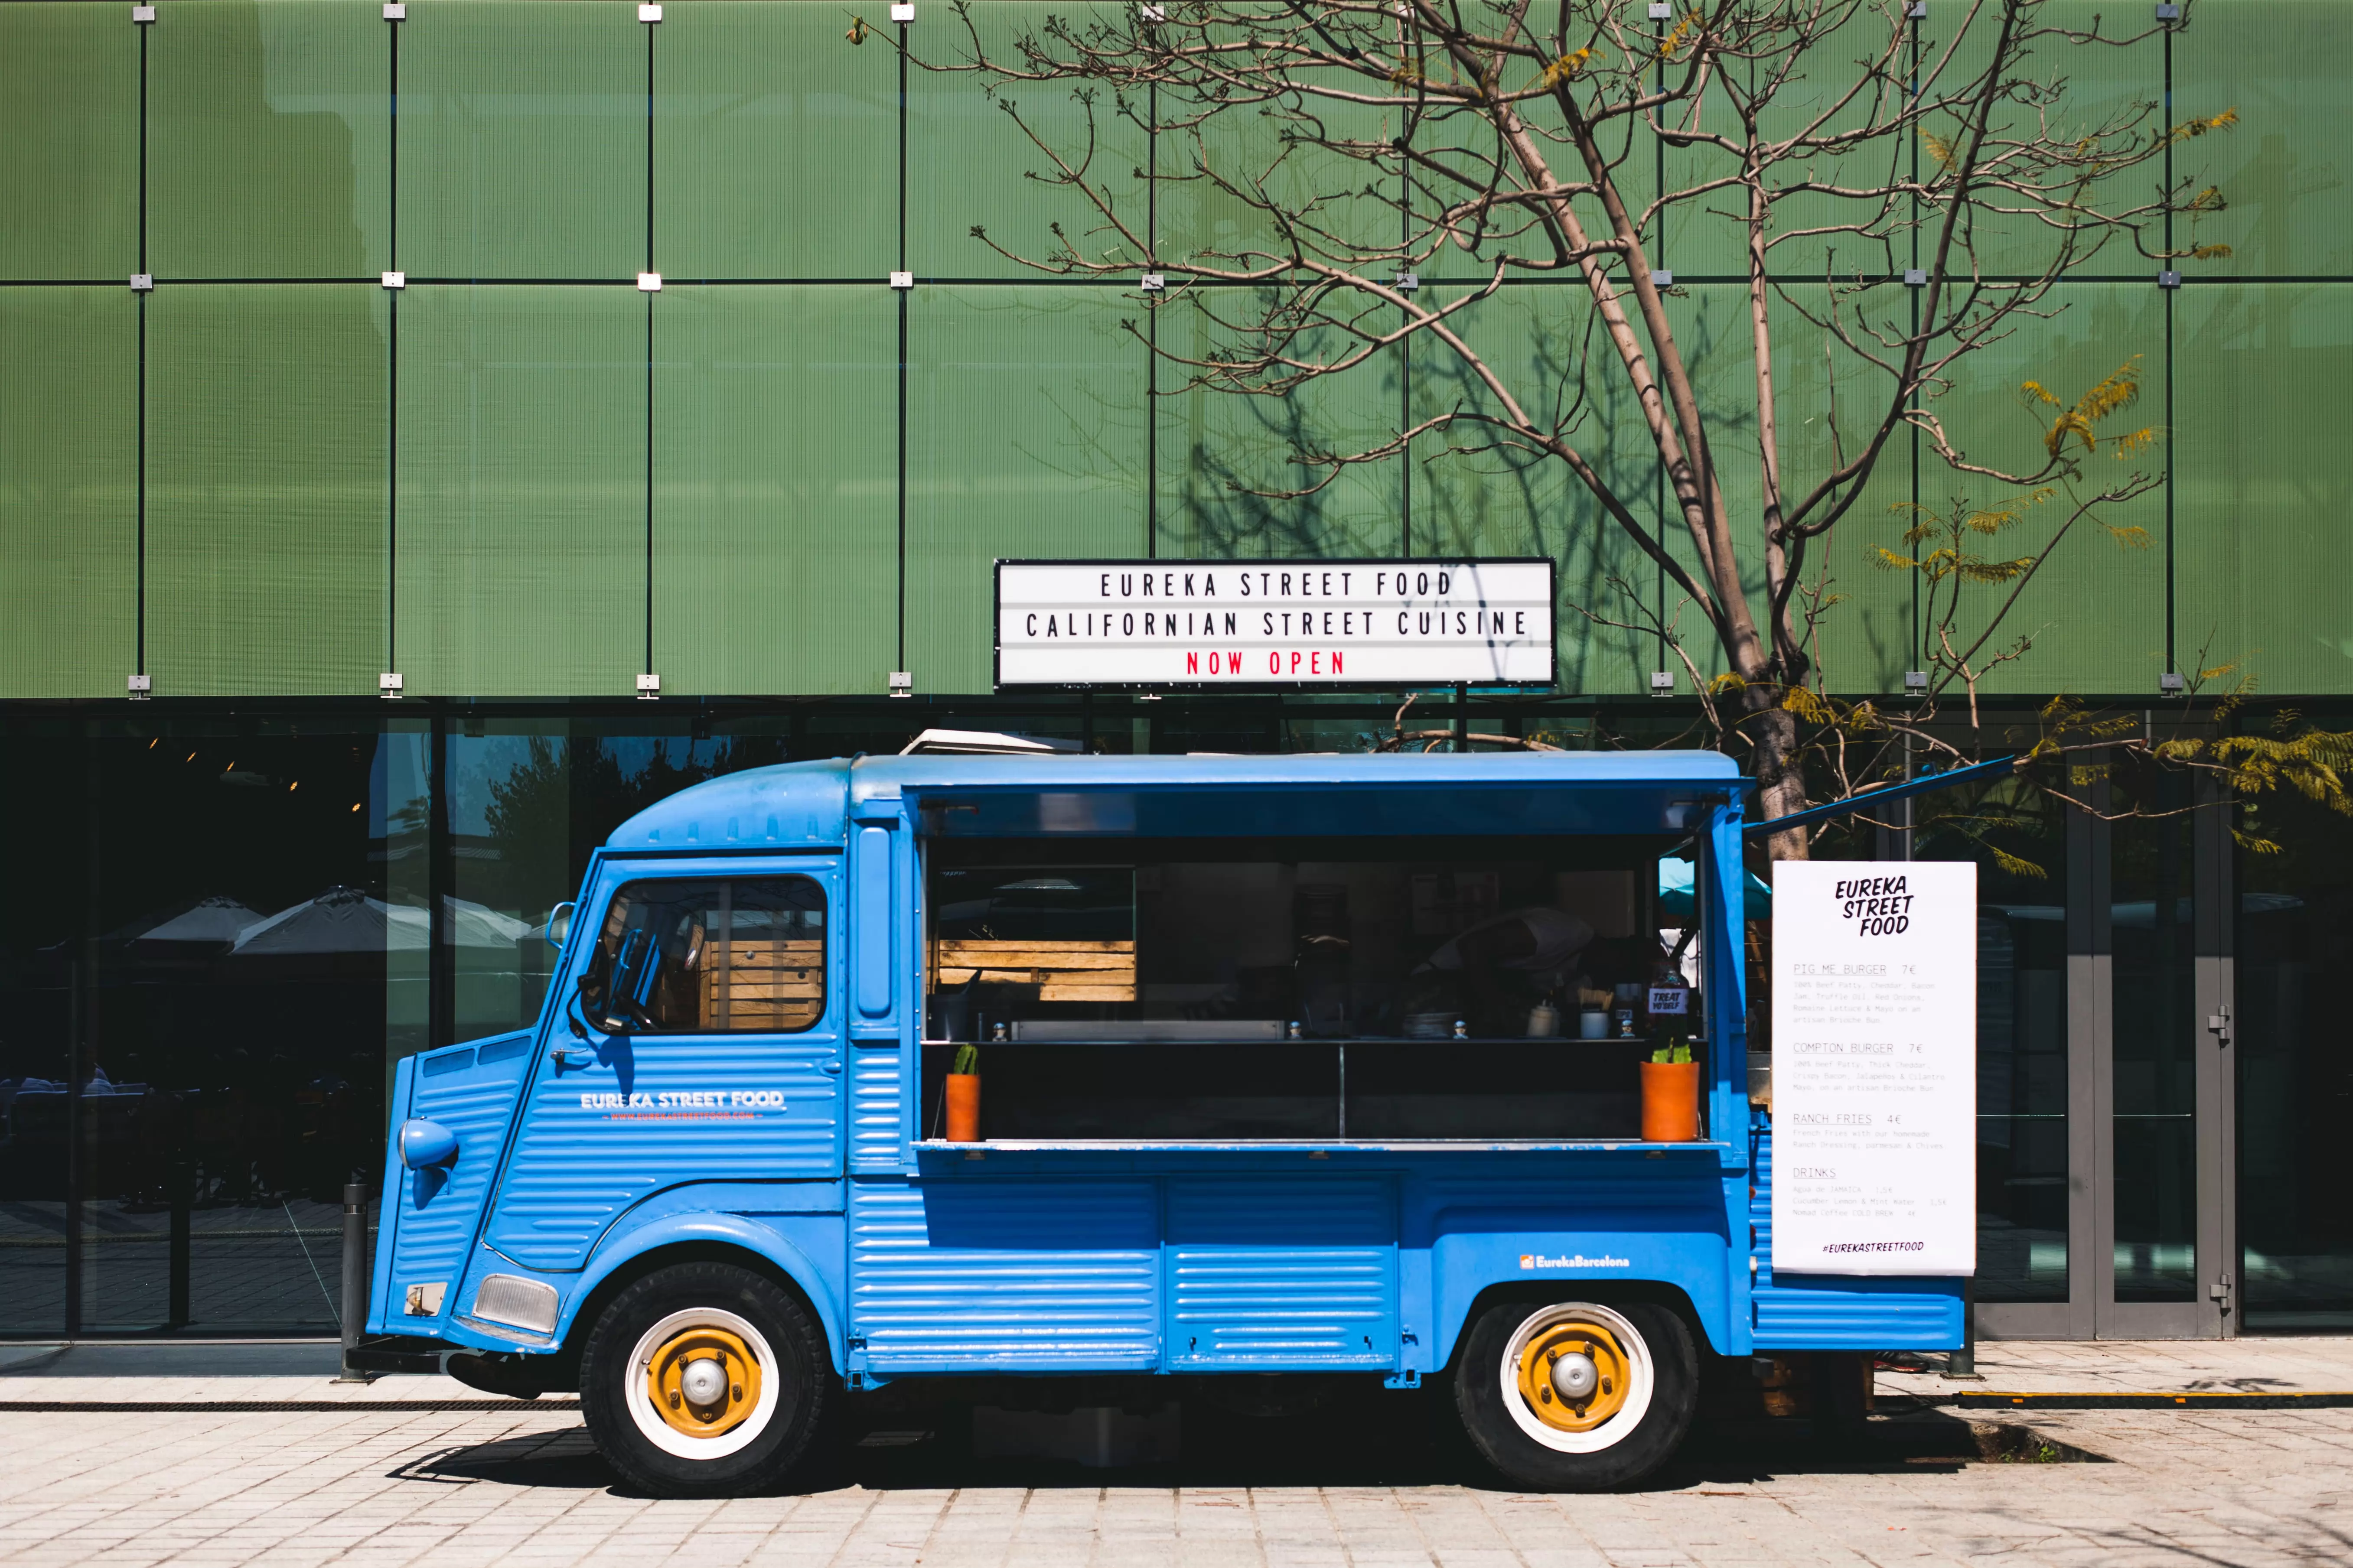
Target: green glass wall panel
(1473, 494)
(968, 163)
(2286, 66)
(2096, 611)
(1025, 438)
(269, 127)
(2267, 483)
(68, 491)
(69, 120)
(775, 145)
(265, 490)
(1228, 462)
(521, 524)
(776, 519)
(522, 140)
(1702, 231)
(1344, 204)
(2099, 86)
(1828, 403)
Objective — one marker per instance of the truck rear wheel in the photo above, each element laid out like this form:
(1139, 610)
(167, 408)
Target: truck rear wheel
(705, 1379)
(1573, 1395)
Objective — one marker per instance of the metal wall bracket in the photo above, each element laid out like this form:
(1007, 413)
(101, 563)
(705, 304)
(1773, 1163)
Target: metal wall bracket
(1152, 282)
(1661, 10)
(903, 11)
(2169, 279)
(649, 13)
(1915, 278)
(2168, 13)
(140, 687)
(396, 11)
(649, 282)
(1662, 681)
(142, 15)
(142, 282)
(2172, 683)
(395, 280)
(1661, 277)
(1916, 682)
(388, 684)
(1406, 283)
(902, 280)
(1917, 10)
(649, 687)
(1152, 13)
(902, 683)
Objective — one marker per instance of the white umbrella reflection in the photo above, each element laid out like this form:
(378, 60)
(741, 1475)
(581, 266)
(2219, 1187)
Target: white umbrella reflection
(347, 919)
(214, 921)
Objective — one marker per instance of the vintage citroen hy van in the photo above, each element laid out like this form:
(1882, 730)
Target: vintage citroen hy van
(1284, 1069)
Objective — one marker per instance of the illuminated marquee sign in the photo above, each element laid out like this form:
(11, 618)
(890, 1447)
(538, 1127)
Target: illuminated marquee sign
(1209, 624)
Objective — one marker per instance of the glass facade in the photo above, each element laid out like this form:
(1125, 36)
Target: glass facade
(520, 475)
(525, 476)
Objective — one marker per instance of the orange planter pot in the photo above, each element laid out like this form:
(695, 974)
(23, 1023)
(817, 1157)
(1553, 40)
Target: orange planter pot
(963, 1108)
(1670, 1101)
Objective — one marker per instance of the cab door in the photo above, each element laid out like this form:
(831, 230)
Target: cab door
(696, 1037)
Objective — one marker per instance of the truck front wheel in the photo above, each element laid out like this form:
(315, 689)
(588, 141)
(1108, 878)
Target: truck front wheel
(705, 1379)
(1573, 1395)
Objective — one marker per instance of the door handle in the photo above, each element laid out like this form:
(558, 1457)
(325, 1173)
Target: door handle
(576, 1060)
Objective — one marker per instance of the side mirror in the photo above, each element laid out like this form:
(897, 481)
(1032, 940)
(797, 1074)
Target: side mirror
(425, 1144)
(559, 926)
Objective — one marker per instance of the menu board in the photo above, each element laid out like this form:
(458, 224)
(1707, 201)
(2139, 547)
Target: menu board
(1874, 1066)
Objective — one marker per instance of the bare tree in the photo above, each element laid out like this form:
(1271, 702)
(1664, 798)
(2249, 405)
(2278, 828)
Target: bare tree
(1908, 195)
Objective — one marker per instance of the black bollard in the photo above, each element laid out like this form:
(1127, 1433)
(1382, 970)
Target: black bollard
(355, 1275)
(1963, 1363)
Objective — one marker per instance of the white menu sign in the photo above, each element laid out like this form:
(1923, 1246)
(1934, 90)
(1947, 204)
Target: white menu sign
(1208, 623)
(1874, 1066)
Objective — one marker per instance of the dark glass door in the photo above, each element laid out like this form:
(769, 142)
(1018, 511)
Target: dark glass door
(2163, 1128)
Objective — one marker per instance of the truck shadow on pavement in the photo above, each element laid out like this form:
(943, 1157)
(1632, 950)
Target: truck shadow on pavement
(1393, 1442)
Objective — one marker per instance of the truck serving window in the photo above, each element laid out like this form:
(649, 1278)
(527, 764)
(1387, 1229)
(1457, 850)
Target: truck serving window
(696, 957)
(1390, 987)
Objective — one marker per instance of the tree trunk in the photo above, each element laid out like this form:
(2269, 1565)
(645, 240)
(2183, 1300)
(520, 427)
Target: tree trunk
(1781, 778)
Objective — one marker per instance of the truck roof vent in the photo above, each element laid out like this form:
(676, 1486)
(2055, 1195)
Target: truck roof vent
(985, 743)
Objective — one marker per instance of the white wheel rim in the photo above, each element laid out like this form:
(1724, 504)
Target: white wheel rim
(1640, 1377)
(660, 1433)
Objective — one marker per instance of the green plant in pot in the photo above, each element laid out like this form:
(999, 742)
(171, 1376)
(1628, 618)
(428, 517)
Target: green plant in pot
(1670, 1093)
(963, 1095)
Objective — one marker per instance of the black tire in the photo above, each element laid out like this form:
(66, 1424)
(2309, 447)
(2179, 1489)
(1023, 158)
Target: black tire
(760, 1449)
(1498, 1420)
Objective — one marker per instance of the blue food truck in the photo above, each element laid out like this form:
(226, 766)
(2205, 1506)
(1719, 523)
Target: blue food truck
(1287, 1065)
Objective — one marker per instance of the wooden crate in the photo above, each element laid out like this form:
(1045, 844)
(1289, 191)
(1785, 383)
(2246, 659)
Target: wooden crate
(771, 982)
(1062, 970)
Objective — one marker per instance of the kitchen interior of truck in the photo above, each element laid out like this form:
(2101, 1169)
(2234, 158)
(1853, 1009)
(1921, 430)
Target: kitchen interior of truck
(1369, 989)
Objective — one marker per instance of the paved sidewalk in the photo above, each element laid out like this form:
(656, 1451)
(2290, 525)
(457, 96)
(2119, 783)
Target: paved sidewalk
(1366, 1486)
(2144, 1366)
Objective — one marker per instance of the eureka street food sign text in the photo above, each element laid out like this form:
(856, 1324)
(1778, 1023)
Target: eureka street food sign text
(1209, 624)
(1874, 1066)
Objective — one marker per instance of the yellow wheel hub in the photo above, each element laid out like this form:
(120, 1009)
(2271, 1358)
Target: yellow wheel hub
(703, 1381)
(1575, 1375)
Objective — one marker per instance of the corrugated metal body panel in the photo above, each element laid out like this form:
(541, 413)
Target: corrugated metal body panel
(876, 1083)
(439, 1212)
(1005, 1274)
(578, 1166)
(1282, 1273)
(1829, 1312)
